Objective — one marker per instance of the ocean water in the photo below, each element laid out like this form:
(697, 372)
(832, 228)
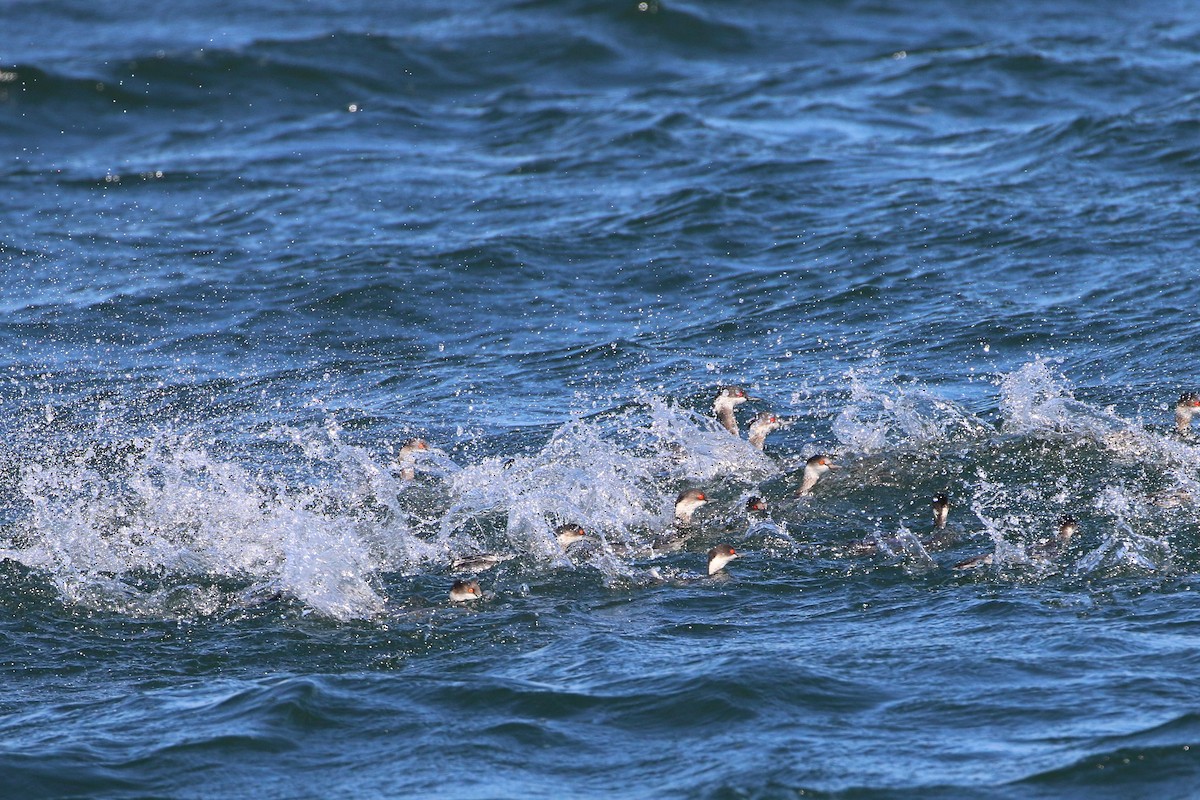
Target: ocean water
(250, 249)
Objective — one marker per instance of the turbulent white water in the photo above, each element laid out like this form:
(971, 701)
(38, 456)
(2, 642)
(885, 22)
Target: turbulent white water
(134, 526)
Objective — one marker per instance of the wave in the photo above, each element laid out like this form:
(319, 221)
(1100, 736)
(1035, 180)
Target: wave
(179, 524)
(340, 70)
(163, 526)
(1161, 758)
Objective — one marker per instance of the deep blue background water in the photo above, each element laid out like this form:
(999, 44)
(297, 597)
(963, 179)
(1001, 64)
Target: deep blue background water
(249, 249)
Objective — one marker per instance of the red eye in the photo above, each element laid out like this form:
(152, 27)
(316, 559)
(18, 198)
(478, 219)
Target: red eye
(700, 496)
(732, 552)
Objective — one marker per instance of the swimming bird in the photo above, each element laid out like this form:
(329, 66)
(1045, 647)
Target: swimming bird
(686, 504)
(974, 562)
(905, 541)
(407, 457)
(1185, 409)
(1043, 550)
(1172, 498)
(941, 510)
(814, 469)
(464, 591)
(761, 526)
(719, 556)
(478, 562)
(566, 535)
(1048, 548)
(941, 537)
(764, 423)
(728, 398)
(756, 507)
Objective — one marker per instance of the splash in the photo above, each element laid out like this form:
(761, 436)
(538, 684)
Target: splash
(1037, 400)
(991, 504)
(170, 510)
(905, 548)
(1123, 549)
(698, 448)
(162, 525)
(577, 477)
(616, 479)
(882, 415)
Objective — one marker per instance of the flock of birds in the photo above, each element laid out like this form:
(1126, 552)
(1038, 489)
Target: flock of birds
(816, 467)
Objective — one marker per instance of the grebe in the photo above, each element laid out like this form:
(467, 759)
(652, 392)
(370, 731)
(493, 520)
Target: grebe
(1185, 409)
(941, 510)
(479, 562)
(1048, 548)
(727, 399)
(406, 458)
(1172, 498)
(719, 556)
(686, 504)
(764, 423)
(756, 507)
(760, 524)
(941, 537)
(975, 562)
(566, 535)
(1042, 551)
(464, 591)
(814, 468)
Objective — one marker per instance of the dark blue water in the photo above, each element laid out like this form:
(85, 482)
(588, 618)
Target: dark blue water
(250, 249)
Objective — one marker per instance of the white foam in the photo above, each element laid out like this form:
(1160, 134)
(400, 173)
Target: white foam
(1125, 550)
(698, 448)
(882, 415)
(172, 508)
(992, 505)
(907, 548)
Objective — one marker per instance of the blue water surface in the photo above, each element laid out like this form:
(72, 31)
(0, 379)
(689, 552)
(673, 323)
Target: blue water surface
(251, 249)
